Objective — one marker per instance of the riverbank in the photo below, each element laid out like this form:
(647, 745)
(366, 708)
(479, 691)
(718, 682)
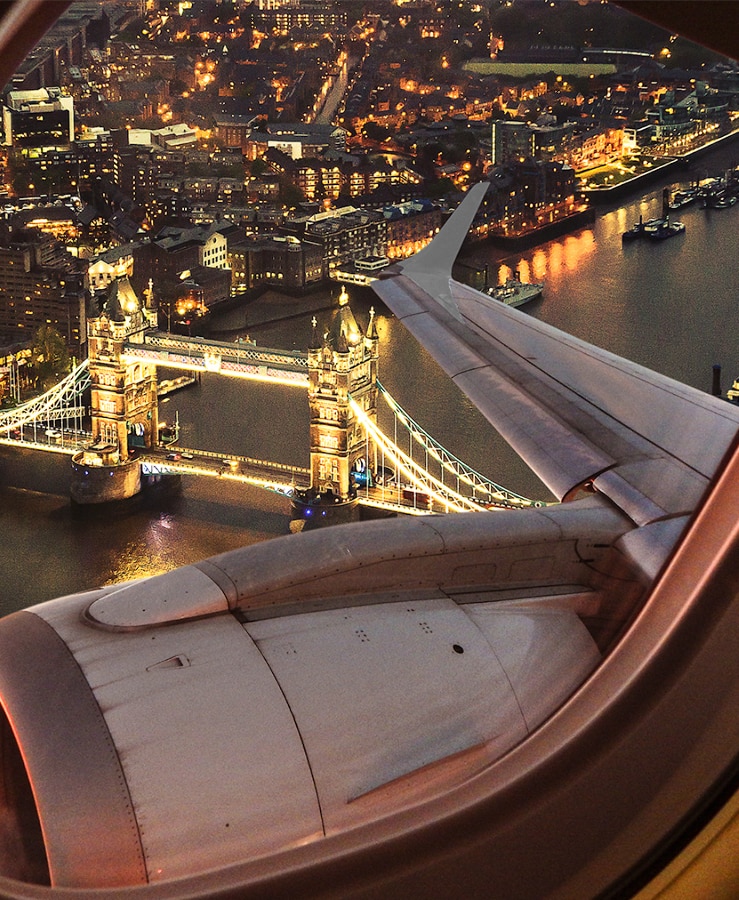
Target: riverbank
(548, 232)
(608, 193)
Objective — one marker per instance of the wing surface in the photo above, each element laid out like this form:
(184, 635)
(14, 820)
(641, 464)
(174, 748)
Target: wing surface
(575, 413)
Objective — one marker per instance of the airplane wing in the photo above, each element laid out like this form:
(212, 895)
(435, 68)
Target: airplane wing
(578, 415)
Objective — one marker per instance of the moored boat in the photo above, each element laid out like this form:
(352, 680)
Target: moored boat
(515, 292)
(682, 198)
(641, 229)
(665, 229)
(718, 199)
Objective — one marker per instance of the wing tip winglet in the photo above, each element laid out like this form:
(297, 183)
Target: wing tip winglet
(438, 257)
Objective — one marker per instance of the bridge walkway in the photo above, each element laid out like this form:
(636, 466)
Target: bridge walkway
(237, 360)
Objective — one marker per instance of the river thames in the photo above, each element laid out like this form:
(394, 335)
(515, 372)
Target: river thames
(671, 306)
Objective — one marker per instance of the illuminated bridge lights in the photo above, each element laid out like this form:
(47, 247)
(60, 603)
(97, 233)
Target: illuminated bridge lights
(499, 495)
(425, 492)
(418, 478)
(59, 404)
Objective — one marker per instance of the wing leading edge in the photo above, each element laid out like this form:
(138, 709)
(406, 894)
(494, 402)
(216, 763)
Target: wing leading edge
(575, 413)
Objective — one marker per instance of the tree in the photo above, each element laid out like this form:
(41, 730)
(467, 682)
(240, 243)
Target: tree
(441, 187)
(374, 132)
(290, 194)
(49, 356)
(258, 166)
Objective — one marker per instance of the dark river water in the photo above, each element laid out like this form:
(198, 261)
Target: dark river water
(671, 306)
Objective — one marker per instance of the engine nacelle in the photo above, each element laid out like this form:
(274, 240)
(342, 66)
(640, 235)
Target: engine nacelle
(294, 689)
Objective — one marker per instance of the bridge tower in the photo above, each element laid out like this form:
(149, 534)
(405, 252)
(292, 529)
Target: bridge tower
(123, 399)
(342, 366)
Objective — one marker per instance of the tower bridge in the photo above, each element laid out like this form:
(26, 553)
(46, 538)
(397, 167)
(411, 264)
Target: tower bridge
(353, 464)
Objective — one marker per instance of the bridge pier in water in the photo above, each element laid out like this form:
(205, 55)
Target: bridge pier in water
(342, 367)
(123, 402)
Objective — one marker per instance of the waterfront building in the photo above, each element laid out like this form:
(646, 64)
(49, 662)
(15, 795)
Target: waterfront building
(598, 146)
(671, 118)
(551, 138)
(274, 260)
(410, 226)
(342, 234)
(511, 141)
(525, 196)
(289, 263)
(202, 288)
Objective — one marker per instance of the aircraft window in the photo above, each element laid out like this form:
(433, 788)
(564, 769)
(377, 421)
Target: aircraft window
(288, 717)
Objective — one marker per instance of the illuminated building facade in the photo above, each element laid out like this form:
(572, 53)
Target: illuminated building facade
(117, 262)
(123, 397)
(284, 262)
(410, 226)
(342, 366)
(511, 141)
(298, 141)
(135, 172)
(306, 14)
(344, 234)
(38, 119)
(525, 196)
(40, 284)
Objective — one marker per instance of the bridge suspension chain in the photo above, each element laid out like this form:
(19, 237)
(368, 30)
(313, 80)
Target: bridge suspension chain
(490, 490)
(57, 401)
(418, 477)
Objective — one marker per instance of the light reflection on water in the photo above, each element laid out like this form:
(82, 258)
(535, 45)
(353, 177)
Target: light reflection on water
(670, 306)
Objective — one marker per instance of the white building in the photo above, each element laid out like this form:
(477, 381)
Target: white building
(38, 119)
(110, 265)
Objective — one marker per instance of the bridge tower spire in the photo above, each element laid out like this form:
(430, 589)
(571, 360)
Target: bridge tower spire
(123, 401)
(342, 367)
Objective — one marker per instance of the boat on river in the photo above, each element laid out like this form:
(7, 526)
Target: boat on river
(641, 229)
(682, 198)
(718, 199)
(664, 230)
(515, 292)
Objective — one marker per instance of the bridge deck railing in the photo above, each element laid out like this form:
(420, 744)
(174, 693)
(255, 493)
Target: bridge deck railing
(234, 351)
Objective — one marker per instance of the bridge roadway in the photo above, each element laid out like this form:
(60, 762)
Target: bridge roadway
(169, 460)
(67, 441)
(279, 477)
(237, 360)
